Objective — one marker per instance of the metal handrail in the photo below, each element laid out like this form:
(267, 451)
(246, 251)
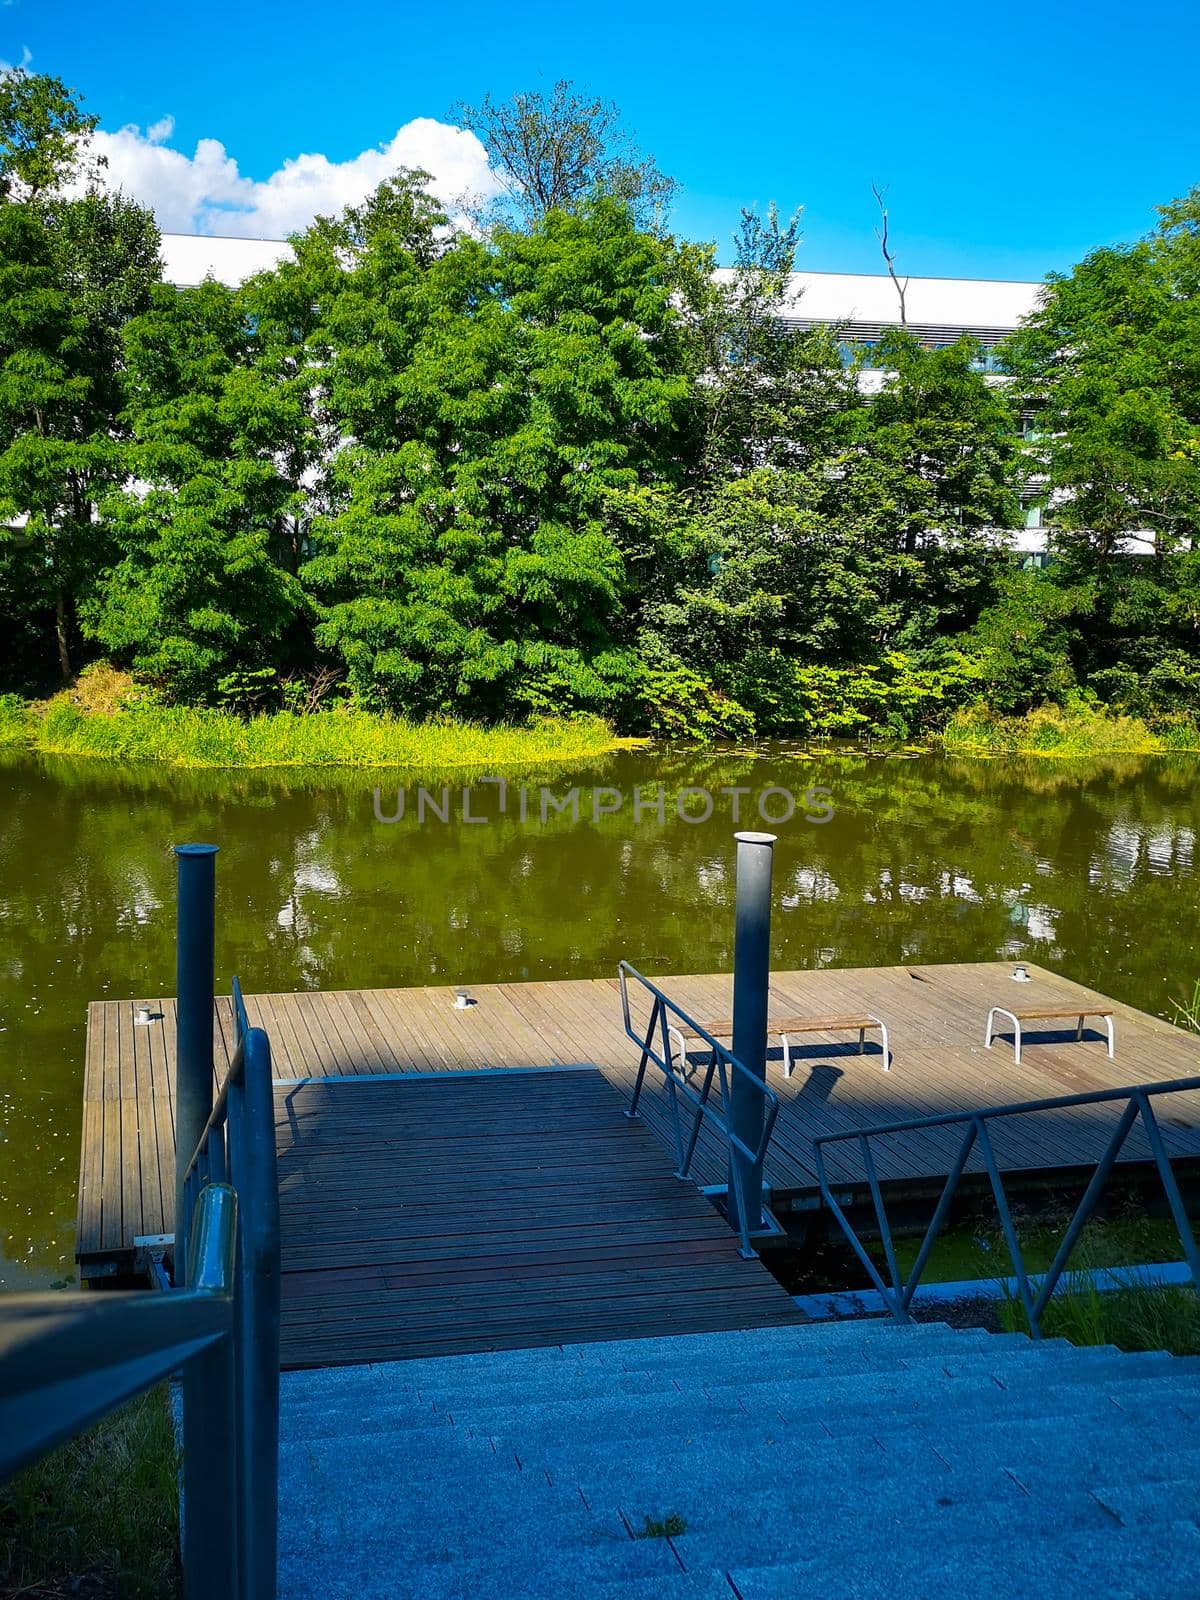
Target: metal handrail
(233, 1078)
(722, 1064)
(898, 1295)
(238, 1147)
(70, 1359)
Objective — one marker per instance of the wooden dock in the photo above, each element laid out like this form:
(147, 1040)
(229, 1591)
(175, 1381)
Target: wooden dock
(935, 1016)
(492, 1211)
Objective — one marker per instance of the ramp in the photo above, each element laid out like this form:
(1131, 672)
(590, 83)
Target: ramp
(434, 1215)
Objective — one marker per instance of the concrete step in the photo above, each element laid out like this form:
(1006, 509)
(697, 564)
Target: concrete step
(585, 1382)
(951, 1410)
(512, 1371)
(814, 1398)
(642, 1355)
(1038, 1462)
(567, 1583)
(1113, 1563)
(1042, 1453)
(362, 1564)
(1176, 1498)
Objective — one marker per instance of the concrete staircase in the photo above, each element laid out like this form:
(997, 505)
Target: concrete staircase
(833, 1462)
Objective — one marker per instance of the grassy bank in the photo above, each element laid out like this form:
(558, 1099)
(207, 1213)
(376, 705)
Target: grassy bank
(1136, 1317)
(97, 1517)
(1052, 731)
(185, 737)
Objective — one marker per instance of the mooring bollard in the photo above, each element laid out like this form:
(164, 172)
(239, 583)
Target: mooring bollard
(751, 977)
(194, 941)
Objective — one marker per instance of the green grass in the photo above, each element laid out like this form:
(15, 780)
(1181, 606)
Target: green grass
(98, 1516)
(1052, 731)
(668, 1527)
(16, 721)
(1137, 1317)
(184, 737)
(1125, 1240)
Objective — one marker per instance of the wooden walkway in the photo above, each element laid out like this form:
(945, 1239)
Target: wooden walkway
(492, 1211)
(935, 1016)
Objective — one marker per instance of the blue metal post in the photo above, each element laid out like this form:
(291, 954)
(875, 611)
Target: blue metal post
(194, 938)
(751, 977)
(209, 1536)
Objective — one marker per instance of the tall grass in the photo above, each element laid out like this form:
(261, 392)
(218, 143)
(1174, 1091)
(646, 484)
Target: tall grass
(98, 1516)
(1053, 731)
(16, 723)
(1134, 1317)
(186, 737)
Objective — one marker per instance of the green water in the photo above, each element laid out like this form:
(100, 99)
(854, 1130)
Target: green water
(1089, 870)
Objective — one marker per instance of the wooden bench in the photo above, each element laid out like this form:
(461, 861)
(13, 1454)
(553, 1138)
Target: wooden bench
(1047, 1014)
(861, 1022)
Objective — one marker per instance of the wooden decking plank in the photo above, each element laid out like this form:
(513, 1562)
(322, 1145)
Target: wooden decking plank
(935, 1017)
(397, 1022)
(289, 1058)
(536, 1259)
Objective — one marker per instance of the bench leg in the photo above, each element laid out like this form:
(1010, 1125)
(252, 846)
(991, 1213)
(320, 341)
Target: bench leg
(862, 1040)
(1079, 1029)
(990, 1030)
(883, 1034)
(1111, 1038)
(677, 1044)
(787, 1055)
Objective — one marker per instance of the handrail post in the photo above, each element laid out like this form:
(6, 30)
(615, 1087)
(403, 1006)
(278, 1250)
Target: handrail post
(209, 1535)
(256, 1317)
(751, 977)
(194, 944)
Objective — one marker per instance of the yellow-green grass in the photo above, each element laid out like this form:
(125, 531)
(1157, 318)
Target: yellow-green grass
(99, 1516)
(1053, 731)
(183, 736)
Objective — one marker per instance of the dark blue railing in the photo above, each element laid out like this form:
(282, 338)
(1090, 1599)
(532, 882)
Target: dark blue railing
(725, 1070)
(898, 1294)
(69, 1359)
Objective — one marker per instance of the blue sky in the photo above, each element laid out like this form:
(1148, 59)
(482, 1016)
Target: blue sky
(1011, 138)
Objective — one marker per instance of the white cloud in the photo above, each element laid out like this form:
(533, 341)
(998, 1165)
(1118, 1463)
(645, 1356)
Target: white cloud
(207, 193)
(15, 66)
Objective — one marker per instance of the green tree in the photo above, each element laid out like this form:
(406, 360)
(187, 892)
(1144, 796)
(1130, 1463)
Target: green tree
(200, 598)
(1108, 372)
(554, 152)
(43, 134)
(71, 271)
(499, 395)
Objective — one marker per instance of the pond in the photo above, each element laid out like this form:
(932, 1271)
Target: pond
(1087, 869)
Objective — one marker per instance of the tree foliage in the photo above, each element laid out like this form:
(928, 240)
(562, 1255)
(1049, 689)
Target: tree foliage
(553, 152)
(562, 463)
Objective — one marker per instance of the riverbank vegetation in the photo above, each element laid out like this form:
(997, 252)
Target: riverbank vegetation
(126, 722)
(98, 1517)
(546, 463)
(1087, 730)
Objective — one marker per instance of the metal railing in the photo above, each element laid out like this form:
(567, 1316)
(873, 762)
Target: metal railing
(723, 1066)
(238, 1147)
(899, 1293)
(69, 1359)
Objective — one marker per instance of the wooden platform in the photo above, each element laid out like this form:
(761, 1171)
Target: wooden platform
(935, 1017)
(491, 1211)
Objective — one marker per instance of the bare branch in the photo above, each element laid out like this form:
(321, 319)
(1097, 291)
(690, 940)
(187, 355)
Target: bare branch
(881, 233)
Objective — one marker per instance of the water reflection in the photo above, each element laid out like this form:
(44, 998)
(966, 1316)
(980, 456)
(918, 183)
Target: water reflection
(1086, 870)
